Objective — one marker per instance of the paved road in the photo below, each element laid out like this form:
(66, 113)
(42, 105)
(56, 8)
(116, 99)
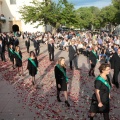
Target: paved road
(19, 100)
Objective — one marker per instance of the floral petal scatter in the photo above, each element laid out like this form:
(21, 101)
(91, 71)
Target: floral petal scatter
(41, 99)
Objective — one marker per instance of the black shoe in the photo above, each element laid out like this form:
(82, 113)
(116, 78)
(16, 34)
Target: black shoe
(91, 118)
(117, 85)
(67, 104)
(58, 99)
(90, 74)
(93, 74)
(71, 68)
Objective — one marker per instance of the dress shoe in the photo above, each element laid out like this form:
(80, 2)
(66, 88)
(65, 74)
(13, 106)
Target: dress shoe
(77, 68)
(89, 74)
(58, 99)
(93, 74)
(117, 85)
(71, 68)
(67, 104)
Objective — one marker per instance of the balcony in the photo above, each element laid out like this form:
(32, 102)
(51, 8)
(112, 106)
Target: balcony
(2, 18)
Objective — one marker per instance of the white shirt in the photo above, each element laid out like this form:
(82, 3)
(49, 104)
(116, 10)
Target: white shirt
(80, 46)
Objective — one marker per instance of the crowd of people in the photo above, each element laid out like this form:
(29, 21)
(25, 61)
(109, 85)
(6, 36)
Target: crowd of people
(96, 46)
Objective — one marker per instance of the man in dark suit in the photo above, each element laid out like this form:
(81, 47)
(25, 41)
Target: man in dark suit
(51, 50)
(27, 44)
(73, 55)
(8, 40)
(115, 64)
(37, 46)
(2, 51)
(16, 41)
(3, 38)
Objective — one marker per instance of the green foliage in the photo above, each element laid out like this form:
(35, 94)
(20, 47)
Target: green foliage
(108, 14)
(48, 12)
(116, 4)
(88, 16)
(63, 13)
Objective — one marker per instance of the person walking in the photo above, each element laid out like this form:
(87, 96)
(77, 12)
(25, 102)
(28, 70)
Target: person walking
(2, 51)
(37, 46)
(27, 44)
(101, 98)
(61, 80)
(11, 54)
(115, 65)
(73, 53)
(32, 66)
(18, 60)
(51, 50)
(93, 60)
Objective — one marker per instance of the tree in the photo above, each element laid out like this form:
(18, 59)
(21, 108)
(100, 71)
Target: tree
(95, 18)
(88, 17)
(108, 15)
(37, 11)
(48, 12)
(116, 4)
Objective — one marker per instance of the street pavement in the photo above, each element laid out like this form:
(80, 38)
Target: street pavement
(19, 100)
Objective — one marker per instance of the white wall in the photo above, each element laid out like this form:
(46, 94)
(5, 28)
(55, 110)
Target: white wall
(11, 13)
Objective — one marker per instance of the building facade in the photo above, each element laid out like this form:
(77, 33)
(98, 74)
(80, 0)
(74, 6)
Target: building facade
(10, 18)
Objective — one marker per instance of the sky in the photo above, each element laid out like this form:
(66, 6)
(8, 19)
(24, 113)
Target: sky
(87, 3)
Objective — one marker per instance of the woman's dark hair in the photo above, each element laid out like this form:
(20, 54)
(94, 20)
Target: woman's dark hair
(32, 52)
(103, 66)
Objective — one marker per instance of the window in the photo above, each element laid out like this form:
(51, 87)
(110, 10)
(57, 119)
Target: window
(12, 1)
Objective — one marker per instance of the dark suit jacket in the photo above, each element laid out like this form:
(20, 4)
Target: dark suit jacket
(72, 52)
(51, 48)
(27, 43)
(16, 42)
(12, 40)
(8, 40)
(36, 44)
(115, 61)
(3, 40)
(93, 58)
(2, 49)
(59, 76)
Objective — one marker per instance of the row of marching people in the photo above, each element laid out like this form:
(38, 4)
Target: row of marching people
(15, 56)
(101, 98)
(114, 61)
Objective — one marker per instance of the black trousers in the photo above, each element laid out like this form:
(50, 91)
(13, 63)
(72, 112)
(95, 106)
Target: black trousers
(28, 49)
(75, 63)
(51, 56)
(81, 50)
(3, 56)
(37, 51)
(92, 69)
(115, 76)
